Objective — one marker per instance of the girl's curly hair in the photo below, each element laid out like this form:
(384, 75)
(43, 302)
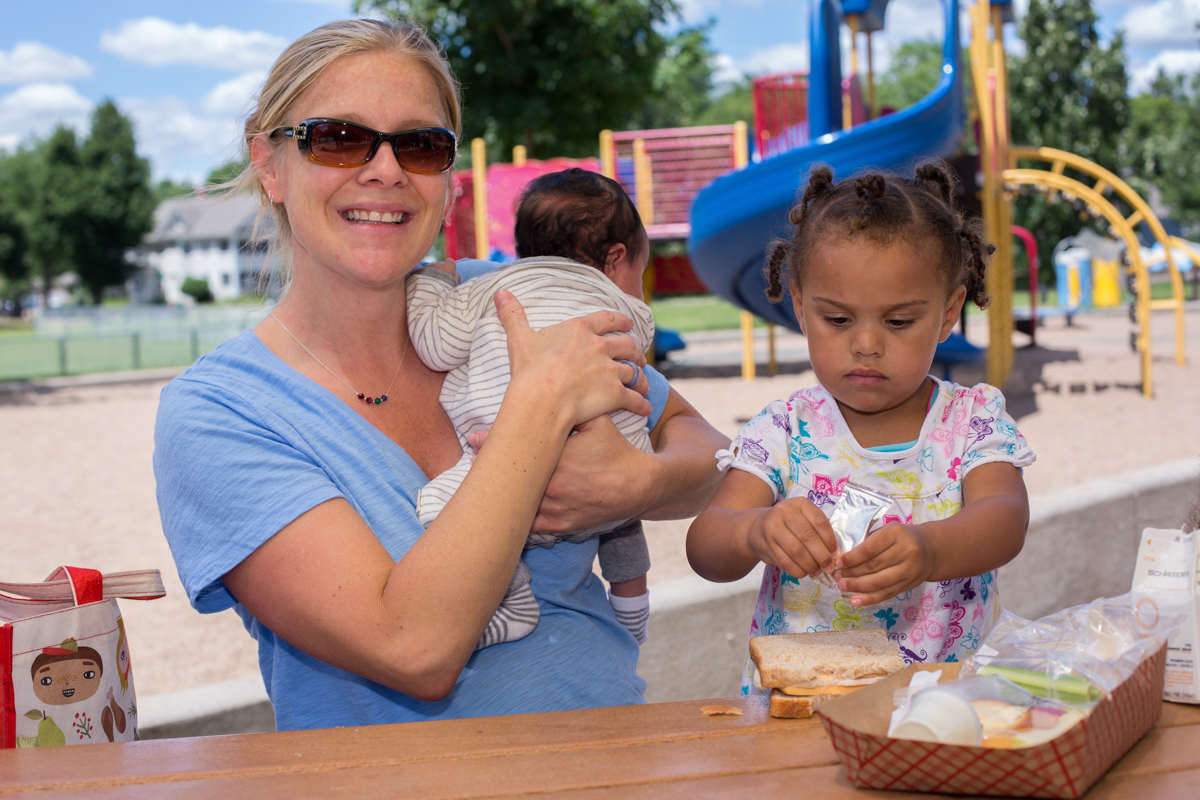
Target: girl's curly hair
(884, 208)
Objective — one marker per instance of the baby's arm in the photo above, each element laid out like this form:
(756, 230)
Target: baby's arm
(441, 318)
(986, 534)
(740, 527)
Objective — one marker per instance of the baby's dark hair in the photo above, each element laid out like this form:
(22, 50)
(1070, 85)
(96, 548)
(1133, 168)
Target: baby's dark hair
(576, 214)
(885, 208)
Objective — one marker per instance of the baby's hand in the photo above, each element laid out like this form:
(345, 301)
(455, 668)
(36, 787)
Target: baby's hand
(795, 536)
(449, 267)
(890, 561)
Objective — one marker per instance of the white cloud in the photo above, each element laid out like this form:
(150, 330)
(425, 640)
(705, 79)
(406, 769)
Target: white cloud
(177, 140)
(694, 11)
(1167, 23)
(37, 108)
(233, 97)
(787, 57)
(156, 41)
(30, 62)
(1173, 62)
(342, 5)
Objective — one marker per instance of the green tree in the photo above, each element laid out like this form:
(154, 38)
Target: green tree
(915, 69)
(682, 81)
(167, 188)
(226, 172)
(13, 266)
(42, 182)
(548, 74)
(115, 202)
(734, 104)
(1068, 91)
(1162, 146)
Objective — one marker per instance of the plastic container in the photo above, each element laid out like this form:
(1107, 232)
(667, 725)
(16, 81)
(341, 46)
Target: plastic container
(941, 715)
(1073, 269)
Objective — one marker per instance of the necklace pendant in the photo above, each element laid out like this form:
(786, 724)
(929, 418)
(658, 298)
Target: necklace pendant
(377, 401)
(361, 396)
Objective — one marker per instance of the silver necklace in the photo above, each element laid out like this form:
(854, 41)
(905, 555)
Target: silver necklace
(368, 400)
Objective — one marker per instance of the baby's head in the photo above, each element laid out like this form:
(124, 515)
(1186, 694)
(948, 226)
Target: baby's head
(588, 218)
(878, 267)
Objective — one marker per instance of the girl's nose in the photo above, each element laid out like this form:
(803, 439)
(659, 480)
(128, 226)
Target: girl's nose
(867, 342)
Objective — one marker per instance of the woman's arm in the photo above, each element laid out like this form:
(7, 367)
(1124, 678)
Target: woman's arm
(986, 534)
(602, 477)
(326, 585)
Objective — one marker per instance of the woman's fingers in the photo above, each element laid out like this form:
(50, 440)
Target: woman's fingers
(607, 321)
(511, 313)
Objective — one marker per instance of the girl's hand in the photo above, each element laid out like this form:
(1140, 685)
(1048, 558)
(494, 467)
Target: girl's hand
(573, 367)
(795, 536)
(890, 561)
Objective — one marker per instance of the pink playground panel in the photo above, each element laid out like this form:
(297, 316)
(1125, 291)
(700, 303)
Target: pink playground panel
(780, 112)
(682, 162)
(505, 184)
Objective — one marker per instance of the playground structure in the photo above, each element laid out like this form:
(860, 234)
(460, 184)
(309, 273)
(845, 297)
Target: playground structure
(735, 218)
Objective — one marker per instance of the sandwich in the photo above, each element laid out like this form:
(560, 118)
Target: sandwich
(804, 670)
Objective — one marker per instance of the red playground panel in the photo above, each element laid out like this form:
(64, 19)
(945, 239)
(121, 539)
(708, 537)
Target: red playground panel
(505, 183)
(780, 112)
(682, 162)
(674, 275)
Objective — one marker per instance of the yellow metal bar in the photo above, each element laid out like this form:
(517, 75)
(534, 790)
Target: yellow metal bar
(748, 366)
(1101, 186)
(643, 181)
(1058, 167)
(608, 157)
(772, 363)
(479, 184)
(1134, 218)
(1125, 231)
(741, 145)
(519, 155)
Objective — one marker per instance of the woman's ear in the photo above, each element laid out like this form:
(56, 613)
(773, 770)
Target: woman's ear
(954, 307)
(616, 257)
(262, 156)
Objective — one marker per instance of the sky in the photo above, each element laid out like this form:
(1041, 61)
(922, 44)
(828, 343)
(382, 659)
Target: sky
(185, 72)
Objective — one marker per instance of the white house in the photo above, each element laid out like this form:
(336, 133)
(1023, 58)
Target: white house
(209, 237)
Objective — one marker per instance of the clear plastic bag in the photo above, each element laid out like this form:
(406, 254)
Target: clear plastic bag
(1075, 656)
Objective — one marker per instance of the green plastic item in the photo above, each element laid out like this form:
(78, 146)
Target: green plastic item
(1065, 688)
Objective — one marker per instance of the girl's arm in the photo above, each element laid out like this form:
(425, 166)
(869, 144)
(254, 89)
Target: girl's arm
(987, 533)
(326, 585)
(740, 527)
(602, 477)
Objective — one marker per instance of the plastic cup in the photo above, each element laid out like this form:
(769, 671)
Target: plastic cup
(943, 716)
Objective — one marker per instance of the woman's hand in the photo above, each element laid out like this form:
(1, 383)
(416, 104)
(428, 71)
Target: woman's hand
(571, 367)
(795, 536)
(892, 560)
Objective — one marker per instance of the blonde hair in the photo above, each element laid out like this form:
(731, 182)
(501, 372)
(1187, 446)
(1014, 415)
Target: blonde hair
(305, 59)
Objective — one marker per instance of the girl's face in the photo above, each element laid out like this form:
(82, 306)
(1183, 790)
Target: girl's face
(873, 317)
(386, 93)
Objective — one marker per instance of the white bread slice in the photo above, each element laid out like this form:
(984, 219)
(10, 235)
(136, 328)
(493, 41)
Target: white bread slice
(840, 658)
(787, 707)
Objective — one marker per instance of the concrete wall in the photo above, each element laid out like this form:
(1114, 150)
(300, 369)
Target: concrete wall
(1081, 545)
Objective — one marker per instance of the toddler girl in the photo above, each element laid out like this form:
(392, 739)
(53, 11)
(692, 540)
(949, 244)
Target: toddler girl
(879, 267)
(583, 248)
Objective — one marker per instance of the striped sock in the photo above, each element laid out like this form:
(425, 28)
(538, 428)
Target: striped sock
(516, 618)
(633, 613)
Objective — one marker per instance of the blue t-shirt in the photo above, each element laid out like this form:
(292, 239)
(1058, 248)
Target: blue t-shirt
(244, 445)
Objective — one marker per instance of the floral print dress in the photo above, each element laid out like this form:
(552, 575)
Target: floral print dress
(802, 447)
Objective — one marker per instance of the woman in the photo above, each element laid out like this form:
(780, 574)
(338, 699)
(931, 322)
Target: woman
(287, 497)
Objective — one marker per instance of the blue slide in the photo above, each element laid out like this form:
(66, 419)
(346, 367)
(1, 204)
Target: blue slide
(739, 214)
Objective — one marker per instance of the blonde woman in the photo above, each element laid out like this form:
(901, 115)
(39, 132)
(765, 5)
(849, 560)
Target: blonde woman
(288, 460)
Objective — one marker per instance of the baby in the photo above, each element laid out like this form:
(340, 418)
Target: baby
(582, 248)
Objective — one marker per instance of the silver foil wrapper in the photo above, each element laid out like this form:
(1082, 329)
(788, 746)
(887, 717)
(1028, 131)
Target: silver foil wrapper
(858, 509)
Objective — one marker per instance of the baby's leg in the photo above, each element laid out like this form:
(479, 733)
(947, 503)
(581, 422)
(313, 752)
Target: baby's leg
(517, 615)
(624, 562)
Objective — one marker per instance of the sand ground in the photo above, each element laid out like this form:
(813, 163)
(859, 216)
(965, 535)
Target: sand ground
(77, 485)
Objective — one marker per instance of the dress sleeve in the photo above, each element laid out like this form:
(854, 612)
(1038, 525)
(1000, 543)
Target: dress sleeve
(226, 483)
(441, 322)
(992, 434)
(761, 448)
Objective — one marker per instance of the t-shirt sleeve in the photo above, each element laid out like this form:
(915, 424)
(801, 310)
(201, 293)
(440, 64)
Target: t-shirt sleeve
(761, 448)
(992, 434)
(660, 390)
(226, 483)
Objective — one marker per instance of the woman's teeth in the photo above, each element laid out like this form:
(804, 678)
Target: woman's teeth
(356, 215)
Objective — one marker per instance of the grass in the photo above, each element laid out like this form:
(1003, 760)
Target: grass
(693, 313)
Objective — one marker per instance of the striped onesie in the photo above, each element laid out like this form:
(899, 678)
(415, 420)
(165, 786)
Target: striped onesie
(455, 329)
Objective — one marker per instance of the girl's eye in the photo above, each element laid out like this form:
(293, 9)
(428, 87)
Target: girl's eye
(836, 320)
(900, 324)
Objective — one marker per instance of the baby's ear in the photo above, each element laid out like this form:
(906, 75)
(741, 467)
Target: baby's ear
(616, 254)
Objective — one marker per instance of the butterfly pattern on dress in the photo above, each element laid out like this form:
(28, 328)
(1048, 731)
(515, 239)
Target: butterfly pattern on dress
(802, 448)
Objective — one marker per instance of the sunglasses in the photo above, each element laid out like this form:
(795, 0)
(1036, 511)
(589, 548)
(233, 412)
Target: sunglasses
(337, 143)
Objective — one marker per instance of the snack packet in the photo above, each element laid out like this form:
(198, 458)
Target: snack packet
(1165, 580)
(856, 513)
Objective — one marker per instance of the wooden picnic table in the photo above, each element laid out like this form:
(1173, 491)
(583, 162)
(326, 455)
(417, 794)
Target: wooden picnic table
(662, 750)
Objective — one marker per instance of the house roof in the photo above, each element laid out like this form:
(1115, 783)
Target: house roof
(190, 219)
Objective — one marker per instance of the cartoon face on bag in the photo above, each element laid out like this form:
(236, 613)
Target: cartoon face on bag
(62, 676)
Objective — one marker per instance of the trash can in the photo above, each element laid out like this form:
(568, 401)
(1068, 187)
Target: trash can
(1073, 269)
(1106, 283)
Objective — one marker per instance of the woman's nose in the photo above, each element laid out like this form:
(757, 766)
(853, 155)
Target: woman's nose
(384, 167)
